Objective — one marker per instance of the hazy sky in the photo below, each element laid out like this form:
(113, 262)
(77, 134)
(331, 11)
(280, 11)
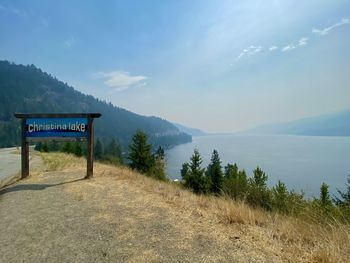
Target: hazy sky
(220, 66)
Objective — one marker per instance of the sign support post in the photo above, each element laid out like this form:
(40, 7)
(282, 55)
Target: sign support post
(90, 150)
(57, 127)
(24, 151)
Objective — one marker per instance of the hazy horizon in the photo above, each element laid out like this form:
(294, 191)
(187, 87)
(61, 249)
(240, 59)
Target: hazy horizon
(222, 66)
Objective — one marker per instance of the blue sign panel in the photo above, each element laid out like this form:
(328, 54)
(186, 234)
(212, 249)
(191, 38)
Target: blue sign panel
(56, 127)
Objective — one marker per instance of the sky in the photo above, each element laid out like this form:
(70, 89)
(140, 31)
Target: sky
(221, 66)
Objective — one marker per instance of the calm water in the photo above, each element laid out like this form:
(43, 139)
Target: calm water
(302, 162)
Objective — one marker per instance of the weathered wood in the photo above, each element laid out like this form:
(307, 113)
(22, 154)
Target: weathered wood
(57, 115)
(24, 152)
(90, 149)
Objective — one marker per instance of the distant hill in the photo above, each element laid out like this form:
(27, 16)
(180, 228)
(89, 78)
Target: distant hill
(28, 89)
(190, 131)
(333, 124)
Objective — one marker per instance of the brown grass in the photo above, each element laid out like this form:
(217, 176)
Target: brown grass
(289, 238)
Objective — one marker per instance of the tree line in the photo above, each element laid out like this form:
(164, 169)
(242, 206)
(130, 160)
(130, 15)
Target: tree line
(234, 183)
(228, 181)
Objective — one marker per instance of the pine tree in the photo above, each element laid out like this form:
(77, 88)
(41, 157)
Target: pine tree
(235, 182)
(140, 153)
(214, 172)
(67, 148)
(78, 151)
(325, 199)
(113, 153)
(45, 147)
(280, 197)
(158, 169)
(98, 151)
(344, 199)
(193, 175)
(258, 193)
(160, 153)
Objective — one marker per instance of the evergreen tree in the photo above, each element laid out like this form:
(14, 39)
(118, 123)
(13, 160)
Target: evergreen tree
(45, 147)
(258, 193)
(78, 151)
(54, 147)
(140, 153)
(194, 177)
(160, 153)
(214, 172)
(235, 182)
(113, 152)
(344, 199)
(185, 171)
(325, 199)
(98, 151)
(280, 197)
(158, 169)
(38, 146)
(67, 148)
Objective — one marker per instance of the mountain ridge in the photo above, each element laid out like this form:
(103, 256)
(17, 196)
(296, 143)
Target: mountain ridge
(29, 89)
(330, 124)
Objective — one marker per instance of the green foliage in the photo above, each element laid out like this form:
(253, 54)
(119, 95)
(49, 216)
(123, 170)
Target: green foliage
(140, 155)
(258, 193)
(235, 182)
(98, 151)
(325, 199)
(29, 89)
(214, 173)
(343, 201)
(113, 152)
(68, 148)
(280, 197)
(193, 175)
(78, 151)
(45, 147)
(157, 170)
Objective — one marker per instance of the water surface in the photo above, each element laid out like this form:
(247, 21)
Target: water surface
(302, 162)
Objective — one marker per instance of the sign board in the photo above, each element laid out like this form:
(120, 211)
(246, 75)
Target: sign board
(57, 126)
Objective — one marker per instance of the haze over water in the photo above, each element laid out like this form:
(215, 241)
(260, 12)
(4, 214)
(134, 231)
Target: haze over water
(302, 162)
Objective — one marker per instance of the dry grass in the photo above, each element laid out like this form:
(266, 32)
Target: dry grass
(288, 238)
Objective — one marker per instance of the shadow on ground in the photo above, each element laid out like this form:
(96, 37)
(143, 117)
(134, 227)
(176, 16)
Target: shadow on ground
(32, 187)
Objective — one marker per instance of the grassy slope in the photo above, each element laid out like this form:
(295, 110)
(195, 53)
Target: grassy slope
(122, 216)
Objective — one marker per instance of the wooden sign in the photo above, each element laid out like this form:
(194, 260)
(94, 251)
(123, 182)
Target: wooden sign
(57, 127)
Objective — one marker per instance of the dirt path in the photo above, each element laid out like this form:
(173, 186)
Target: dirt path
(57, 217)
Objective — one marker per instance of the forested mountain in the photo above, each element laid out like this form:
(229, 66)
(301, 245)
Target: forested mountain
(333, 124)
(189, 130)
(28, 89)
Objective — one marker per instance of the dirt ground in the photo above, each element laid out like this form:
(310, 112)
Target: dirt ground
(119, 216)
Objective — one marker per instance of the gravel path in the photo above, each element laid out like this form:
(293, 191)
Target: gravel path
(58, 217)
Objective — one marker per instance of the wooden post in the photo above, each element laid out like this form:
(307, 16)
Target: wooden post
(24, 151)
(90, 149)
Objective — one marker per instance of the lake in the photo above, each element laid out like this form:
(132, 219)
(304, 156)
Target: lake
(301, 162)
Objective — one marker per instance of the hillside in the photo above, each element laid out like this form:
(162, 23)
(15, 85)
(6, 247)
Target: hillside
(29, 89)
(334, 124)
(189, 130)
(123, 216)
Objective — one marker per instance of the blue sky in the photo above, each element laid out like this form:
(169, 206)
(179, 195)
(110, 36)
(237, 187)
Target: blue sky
(221, 66)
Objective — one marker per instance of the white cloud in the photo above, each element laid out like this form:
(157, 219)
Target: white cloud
(325, 31)
(15, 11)
(68, 43)
(272, 48)
(288, 48)
(120, 80)
(249, 51)
(303, 41)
